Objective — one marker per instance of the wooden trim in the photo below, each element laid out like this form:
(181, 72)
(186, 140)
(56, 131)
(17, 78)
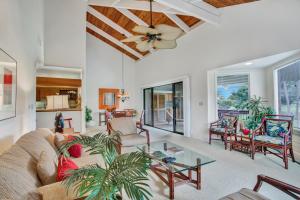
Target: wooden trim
(202, 11)
(107, 21)
(59, 82)
(102, 91)
(113, 40)
(132, 17)
(135, 5)
(103, 39)
(178, 21)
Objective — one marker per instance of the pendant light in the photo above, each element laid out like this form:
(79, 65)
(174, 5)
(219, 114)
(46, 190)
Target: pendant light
(123, 95)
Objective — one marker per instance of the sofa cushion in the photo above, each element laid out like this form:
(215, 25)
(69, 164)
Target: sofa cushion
(222, 130)
(46, 169)
(132, 140)
(89, 160)
(227, 121)
(276, 128)
(269, 139)
(126, 125)
(245, 194)
(35, 142)
(18, 177)
(59, 140)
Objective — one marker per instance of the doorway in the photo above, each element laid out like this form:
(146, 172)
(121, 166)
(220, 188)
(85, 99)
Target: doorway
(163, 107)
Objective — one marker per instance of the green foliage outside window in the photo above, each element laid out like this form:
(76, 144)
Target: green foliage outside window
(234, 100)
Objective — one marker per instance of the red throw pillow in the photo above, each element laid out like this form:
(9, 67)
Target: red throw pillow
(246, 131)
(64, 165)
(74, 150)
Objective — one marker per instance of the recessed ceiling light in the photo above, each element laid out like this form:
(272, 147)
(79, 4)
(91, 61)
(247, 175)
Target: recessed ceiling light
(248, 63)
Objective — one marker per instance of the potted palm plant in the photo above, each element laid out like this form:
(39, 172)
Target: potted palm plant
(257, 110)
(126, 172)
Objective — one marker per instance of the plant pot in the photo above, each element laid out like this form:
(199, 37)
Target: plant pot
(90, 124)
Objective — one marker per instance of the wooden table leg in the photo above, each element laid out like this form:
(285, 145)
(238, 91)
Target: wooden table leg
(198, 173)
(171, 183)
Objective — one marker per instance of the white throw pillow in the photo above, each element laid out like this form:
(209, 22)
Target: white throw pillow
(59, 140)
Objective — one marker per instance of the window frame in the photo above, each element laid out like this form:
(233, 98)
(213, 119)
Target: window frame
(276, 88)
(228, 74)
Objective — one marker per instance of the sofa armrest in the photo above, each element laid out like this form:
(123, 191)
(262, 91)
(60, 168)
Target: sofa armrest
(89, 160)
(284, 187)
(56, 191)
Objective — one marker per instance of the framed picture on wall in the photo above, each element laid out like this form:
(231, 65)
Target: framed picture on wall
(8, 86)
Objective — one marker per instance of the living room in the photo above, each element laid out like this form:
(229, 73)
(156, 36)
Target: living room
(77, 49)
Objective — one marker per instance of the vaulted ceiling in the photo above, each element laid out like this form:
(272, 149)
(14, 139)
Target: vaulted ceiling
(113, 20)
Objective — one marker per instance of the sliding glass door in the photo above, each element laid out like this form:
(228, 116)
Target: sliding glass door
(163, 107)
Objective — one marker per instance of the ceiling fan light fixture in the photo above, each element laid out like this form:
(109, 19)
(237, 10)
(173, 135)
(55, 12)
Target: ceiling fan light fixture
(161, 36)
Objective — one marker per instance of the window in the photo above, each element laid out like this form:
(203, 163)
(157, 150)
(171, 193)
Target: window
(163, 107)
(232, 90)
(289, 91)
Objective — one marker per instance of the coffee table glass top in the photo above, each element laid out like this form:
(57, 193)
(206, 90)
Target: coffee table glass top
(184, 158)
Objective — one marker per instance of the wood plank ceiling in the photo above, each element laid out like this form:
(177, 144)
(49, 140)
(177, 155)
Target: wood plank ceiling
(115, 25)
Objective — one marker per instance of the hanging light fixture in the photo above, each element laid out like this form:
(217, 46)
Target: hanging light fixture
(123, 95)
(161, 36)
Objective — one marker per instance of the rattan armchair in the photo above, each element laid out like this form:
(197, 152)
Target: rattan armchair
(274, 133)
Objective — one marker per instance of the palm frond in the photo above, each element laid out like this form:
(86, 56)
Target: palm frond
(128, 171)
(101, 143)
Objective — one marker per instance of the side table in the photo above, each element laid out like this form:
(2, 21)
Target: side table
(241, 143)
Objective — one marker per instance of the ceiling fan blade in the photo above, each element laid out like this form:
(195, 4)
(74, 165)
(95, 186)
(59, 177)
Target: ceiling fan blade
(134, 38)
(168, 32)
(165, 44)
(144, 46)
(144, 30)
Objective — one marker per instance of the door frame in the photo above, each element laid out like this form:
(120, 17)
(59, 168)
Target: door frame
(186, 99)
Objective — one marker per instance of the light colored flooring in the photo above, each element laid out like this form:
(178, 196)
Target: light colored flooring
(231, 171)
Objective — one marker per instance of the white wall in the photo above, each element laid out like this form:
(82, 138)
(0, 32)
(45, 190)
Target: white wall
(247, 31)
(104, 70)
(65, 37)
(43, 119)
(21, 36)
(65, 28)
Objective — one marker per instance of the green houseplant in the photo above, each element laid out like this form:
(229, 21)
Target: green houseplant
(88, 114)
(257, 110)
(127, 172)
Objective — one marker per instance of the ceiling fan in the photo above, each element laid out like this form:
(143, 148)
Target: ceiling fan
(161, 36)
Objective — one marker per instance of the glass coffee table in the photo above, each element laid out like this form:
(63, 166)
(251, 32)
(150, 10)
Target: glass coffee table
(172, 160)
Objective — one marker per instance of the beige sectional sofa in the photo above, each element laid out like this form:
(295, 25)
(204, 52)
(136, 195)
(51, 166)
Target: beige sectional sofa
(18, 171)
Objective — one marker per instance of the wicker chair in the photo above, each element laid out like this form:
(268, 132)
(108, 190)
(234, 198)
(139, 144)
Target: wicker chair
(248, 194)
(223, 127)
(275, 132)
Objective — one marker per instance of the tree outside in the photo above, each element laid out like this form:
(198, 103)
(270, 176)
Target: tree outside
(232, 96)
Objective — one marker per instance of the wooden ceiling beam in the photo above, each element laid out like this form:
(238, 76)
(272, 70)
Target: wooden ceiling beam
(135, 5)
(109, 22)
(179, 22)
(112, 39)
(196, 8)
(103, 39)
(132, 17)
